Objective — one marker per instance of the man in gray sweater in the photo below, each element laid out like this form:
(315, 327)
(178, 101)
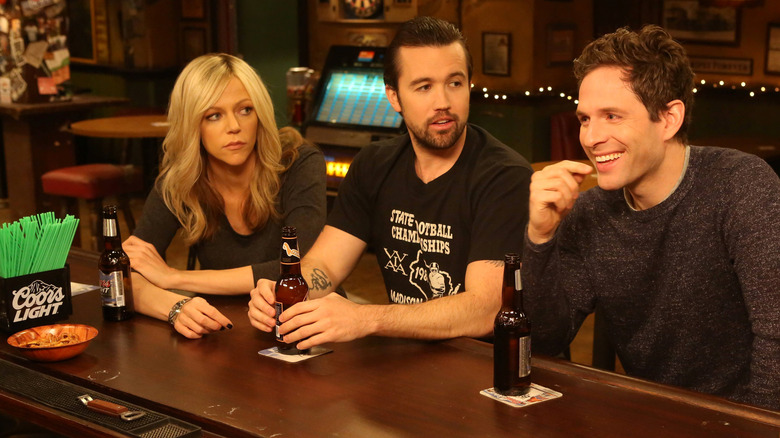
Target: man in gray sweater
(679, 245)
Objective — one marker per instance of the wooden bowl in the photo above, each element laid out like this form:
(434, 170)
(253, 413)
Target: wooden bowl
(52, 343)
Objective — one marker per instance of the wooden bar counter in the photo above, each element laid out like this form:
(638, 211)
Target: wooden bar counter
(373, 387)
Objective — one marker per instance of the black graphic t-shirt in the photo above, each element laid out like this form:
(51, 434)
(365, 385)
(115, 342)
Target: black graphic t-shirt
(425, 235)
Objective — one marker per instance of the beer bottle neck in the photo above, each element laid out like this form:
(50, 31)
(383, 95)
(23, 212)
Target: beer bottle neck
(111, 237)
(511, 284)
(519, 300)
(292, 269)
(290, 257)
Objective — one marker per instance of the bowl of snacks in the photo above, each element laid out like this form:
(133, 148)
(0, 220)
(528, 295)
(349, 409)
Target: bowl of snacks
(52, 343)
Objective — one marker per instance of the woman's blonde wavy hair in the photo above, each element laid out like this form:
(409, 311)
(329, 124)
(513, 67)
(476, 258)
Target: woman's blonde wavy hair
(184, 180)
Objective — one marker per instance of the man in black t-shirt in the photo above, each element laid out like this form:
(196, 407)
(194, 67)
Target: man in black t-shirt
(440, 205)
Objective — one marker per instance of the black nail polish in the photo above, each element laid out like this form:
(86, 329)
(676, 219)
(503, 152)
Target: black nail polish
(222, 328)
(230, 326)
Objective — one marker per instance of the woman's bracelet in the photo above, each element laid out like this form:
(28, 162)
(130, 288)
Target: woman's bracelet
(175, 310)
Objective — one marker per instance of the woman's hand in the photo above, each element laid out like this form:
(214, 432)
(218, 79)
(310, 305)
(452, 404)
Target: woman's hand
(145, 260)
(197, 318)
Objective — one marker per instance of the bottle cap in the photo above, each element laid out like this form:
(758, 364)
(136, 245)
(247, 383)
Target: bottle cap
(512, 258)
(109, 221)
(109, 211)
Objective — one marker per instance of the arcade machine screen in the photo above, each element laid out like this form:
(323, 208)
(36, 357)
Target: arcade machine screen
(351, 109)
(357, 98)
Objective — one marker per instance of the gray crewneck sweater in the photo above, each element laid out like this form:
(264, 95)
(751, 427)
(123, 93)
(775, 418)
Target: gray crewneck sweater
(690, 288)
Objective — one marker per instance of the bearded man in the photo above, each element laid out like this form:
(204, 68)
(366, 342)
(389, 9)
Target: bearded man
(446, 194)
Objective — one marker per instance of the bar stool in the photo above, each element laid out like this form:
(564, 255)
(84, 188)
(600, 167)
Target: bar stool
(93, 182)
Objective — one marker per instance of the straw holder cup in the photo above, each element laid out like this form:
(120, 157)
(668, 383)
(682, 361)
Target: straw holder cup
(35, 299)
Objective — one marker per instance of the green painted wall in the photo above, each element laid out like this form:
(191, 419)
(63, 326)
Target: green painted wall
(268, 41)
(523, 125)
(735, 115)
(145, 90)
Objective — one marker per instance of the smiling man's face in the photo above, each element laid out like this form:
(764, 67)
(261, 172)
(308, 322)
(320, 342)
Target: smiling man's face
(616, 132)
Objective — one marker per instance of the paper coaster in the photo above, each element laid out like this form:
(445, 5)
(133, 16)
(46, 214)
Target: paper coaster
(273, 353)
(80, 288)
(536, 394)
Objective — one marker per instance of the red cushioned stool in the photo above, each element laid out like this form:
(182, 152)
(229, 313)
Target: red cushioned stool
(93, 182)
(565, 137)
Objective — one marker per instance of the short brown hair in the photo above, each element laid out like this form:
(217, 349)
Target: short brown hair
(656, 67)
(421, 32)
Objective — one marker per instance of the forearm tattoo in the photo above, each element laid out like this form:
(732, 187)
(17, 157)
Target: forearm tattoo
(319, 280)
(496, 263)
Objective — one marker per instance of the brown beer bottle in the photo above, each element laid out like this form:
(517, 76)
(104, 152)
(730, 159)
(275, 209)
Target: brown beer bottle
(116, 287)
(291, 287)
(512, 335)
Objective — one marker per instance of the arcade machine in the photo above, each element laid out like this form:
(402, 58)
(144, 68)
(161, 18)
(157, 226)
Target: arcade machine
(350, 109)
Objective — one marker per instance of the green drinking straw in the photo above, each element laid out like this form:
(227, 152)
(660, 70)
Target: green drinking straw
(35, 244)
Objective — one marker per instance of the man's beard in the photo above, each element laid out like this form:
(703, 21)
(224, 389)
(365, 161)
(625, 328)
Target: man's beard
(436, 141)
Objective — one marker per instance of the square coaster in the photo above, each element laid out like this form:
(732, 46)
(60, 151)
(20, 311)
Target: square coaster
(274, 353)
(536, 394)
(80, 288)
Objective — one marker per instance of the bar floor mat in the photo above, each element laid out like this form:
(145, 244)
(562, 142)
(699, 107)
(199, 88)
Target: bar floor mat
(63, 396)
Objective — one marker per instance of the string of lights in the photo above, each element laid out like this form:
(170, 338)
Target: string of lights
(751, 91)
(703, 85)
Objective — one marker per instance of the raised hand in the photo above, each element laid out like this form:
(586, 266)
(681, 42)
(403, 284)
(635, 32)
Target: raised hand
(553, 192)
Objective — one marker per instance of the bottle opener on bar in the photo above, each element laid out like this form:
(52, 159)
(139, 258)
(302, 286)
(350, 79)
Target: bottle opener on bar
(108, 408)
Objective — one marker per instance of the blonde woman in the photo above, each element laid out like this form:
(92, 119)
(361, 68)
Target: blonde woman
(230, 181)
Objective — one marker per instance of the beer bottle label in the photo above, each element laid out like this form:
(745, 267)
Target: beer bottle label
(112, 289)
(279, 309)
(290, 254)
(524, 350)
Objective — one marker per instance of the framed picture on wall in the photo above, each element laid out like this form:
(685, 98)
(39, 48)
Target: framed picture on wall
(560, 44)
(687, 20)
(772, 65)
(496, 49)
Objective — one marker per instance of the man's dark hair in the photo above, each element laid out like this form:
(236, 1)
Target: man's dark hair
(656, 67)
(421, 32)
